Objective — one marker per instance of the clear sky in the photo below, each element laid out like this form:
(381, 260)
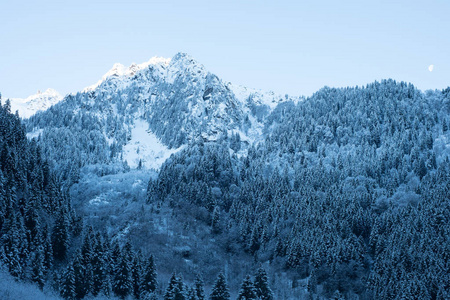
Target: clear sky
(293, 47)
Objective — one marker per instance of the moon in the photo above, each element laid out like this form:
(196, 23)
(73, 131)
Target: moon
(430, 68)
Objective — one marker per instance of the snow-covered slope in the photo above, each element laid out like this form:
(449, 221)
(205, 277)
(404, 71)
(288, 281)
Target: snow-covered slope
(34, 103)
(145, 147)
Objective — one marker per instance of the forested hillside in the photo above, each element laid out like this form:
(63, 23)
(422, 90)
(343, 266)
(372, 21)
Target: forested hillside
(350, 189)
(34, 211)
(344, 194)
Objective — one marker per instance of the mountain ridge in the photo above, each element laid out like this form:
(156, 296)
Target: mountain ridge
(326, 193)
(36, 102)
(178, 99)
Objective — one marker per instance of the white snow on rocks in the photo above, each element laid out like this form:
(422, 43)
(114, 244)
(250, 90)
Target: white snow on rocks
(34, 103)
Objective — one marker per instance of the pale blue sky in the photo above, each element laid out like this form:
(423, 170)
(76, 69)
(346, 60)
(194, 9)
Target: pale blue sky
(293, 47)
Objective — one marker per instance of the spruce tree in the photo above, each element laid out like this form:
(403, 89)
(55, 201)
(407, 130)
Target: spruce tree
(107, 286)
(220, 290)
(68, 283)
(178, 292)
(149, 282)
(192, 294)
(122, 279)
(215, 220)
(82, 285)
(12, 247)
(48, 250)
(150, 296)
(32, 223)
(38, 268)
(61, 235)
(199, 288)
(98, 267)
(247, 291)
(175, 289)
(136, 275)
(86, 256)
(169, 294)
(87, 246)
(115, 257)
(262, 288)
(127, 252)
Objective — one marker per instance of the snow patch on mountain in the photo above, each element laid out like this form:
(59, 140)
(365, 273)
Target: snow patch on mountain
(35, 133)
(145, 146)
(34, 103)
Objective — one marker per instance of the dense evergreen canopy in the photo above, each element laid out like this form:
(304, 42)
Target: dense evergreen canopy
(351, 185)
(346, 192)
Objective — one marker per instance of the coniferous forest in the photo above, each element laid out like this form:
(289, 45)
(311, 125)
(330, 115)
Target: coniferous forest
(344, 195)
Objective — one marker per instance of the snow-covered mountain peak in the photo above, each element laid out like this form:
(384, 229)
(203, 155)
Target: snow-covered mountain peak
(122, 72)
(156, 60)
(183, 61)
(117, 70)
(47, 93)
(34, 103)
(153, 109)
(181, 86)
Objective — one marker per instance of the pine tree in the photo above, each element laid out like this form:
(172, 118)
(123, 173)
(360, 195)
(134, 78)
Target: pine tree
(149, 282)
(175, 289)
(31, 219)
(23, 246)
(136, 275)
(48, 250)
(82, 285)
(86, 255)
(12, 247)
(68, 283)
(38, 268)
(87, 246)
(127, 252)
(7, 106)
(262, 288)
(98, 267)
(169, 294)
(107, 286)
(122, 279)
(115, 257)
(192, 294)
(247, 291)
(150, 296)
(215, 220)
(60, 235)
(199, 288)
(178, 293)
(220, 290)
